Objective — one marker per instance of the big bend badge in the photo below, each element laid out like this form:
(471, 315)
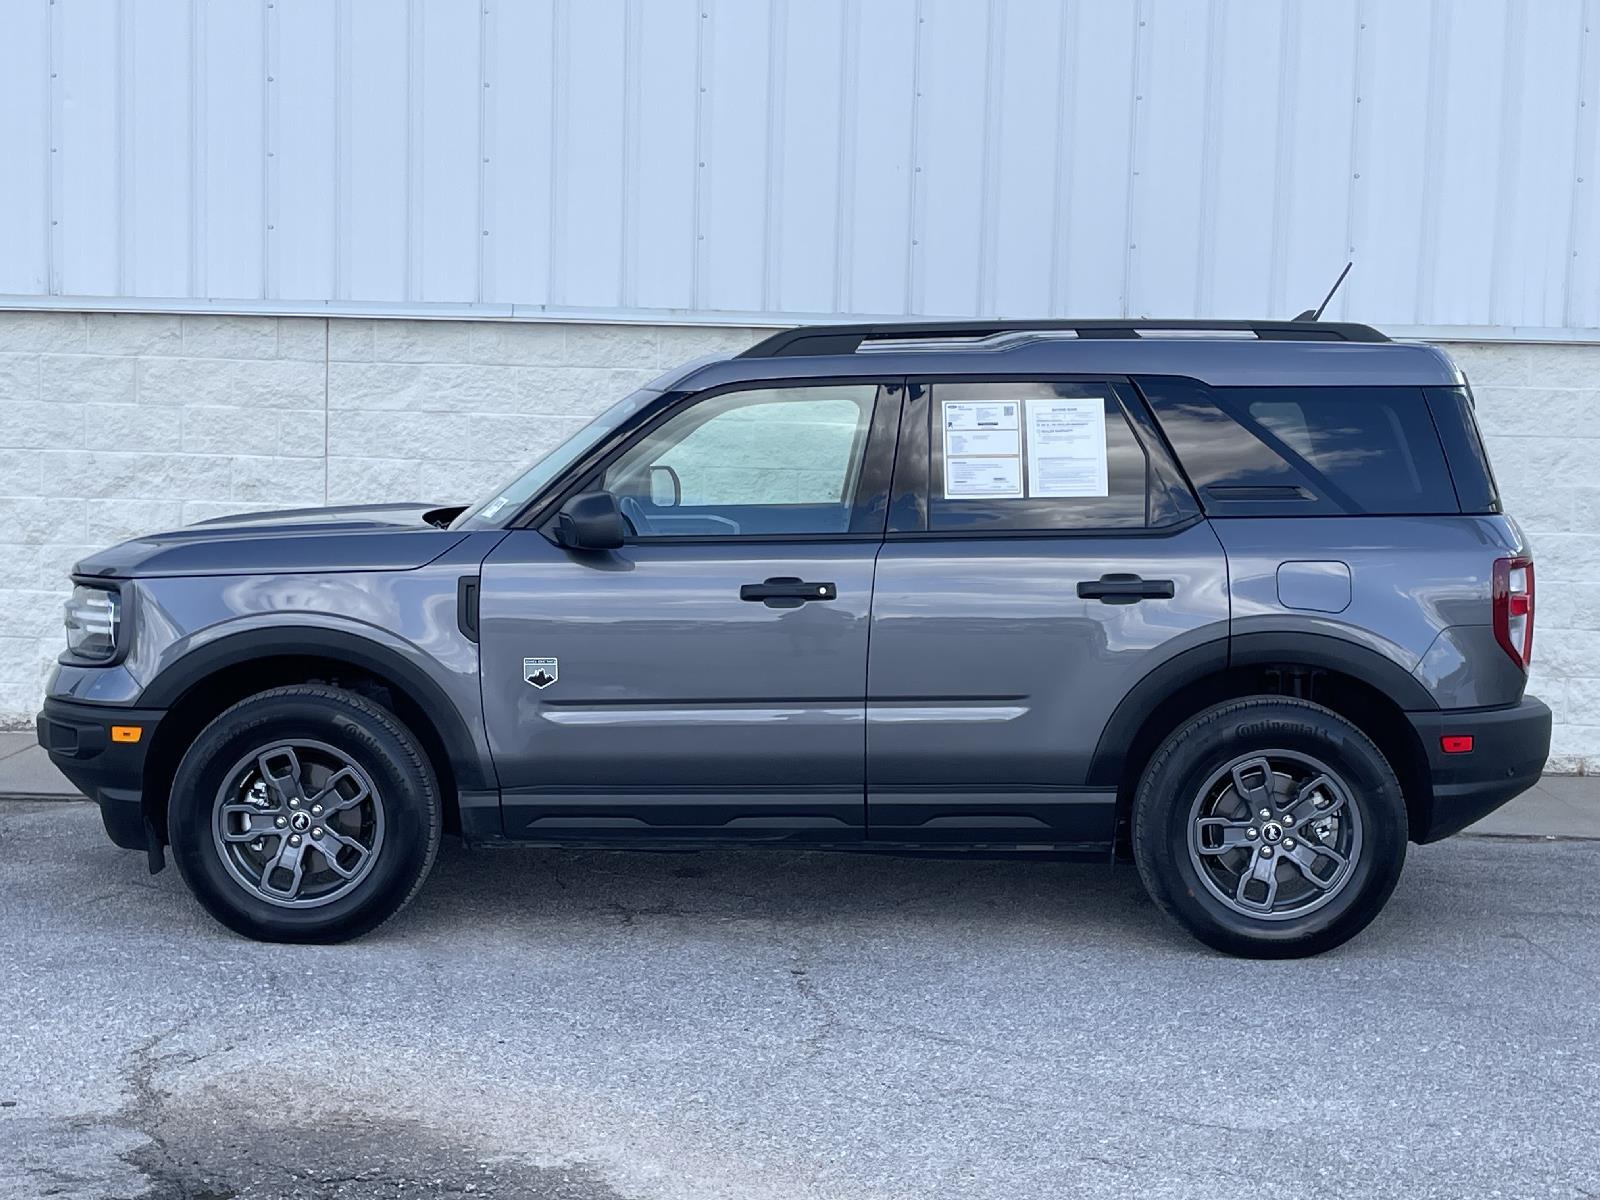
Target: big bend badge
(540, 672)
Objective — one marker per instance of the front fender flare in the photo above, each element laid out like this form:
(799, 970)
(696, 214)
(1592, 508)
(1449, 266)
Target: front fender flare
(175, 681)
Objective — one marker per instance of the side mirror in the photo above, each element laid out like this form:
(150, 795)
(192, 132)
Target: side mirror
(666, 490)
(591, 521)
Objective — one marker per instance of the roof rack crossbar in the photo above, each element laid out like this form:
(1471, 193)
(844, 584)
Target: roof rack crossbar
(847, 339)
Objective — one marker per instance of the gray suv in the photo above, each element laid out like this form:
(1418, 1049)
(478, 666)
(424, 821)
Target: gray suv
(1237, 599)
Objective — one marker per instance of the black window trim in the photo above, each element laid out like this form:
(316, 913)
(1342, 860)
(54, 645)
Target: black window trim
(868, 505)
(909, 494)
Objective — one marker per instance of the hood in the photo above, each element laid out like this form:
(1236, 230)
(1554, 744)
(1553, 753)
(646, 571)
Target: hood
(350, 537)
(341, 516)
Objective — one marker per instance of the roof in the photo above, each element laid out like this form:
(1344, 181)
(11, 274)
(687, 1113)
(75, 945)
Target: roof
(1222, 353)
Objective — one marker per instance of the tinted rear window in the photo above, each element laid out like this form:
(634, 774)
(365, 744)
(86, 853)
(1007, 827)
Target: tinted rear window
(1305, 450)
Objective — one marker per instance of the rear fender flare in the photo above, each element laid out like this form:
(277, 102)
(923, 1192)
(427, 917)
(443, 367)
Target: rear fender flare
(1311, 650)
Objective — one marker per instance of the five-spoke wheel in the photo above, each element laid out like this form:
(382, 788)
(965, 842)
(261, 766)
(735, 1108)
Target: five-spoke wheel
(1274, 834)
(1270, 826)
(298, 823)
(305, 814)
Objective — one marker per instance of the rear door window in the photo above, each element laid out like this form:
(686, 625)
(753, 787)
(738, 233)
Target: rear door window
(1033, 456)
(1305, 450)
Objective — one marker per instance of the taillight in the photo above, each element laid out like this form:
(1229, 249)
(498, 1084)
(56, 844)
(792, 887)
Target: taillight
(1513, 608)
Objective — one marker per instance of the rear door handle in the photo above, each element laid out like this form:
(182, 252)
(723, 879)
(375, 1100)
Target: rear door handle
(1125, 589)
(787, 591)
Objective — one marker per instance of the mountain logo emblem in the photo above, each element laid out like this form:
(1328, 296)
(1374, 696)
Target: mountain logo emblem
(540, 672)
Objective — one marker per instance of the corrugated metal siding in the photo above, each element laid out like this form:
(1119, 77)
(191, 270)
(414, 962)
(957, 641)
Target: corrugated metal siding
(796, 157)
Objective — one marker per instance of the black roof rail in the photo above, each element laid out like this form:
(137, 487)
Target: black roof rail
(847, 339)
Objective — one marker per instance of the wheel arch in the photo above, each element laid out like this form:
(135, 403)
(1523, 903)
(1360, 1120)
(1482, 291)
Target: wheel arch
(1369, 690)
(200, 685)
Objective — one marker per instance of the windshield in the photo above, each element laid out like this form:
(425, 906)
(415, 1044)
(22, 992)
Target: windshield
(503, 504)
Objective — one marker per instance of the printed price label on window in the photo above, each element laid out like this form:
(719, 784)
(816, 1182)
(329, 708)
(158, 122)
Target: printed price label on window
(982, 449)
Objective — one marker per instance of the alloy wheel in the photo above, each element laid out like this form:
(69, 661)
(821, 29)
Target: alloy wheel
(1274, 835)
(298, 823)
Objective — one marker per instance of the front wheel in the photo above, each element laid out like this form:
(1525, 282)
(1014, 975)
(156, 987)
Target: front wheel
(1271, 827)
(304, 814)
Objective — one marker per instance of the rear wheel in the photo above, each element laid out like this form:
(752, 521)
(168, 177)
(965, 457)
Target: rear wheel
(1271, 827)
(304, 814)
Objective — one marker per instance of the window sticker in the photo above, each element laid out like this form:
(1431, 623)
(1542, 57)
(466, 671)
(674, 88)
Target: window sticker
(1067, 447)
(969, 478)
(982, 449)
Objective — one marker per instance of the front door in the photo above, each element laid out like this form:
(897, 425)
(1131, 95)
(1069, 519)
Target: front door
(708, 679)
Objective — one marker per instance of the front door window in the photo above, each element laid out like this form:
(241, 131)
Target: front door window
(748, 464)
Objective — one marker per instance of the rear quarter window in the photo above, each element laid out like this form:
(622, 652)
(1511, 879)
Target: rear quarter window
(1463, 444)
(1305, 451)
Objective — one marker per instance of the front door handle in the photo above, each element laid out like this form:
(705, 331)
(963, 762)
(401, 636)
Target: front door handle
(787, 591)
(1125, 589)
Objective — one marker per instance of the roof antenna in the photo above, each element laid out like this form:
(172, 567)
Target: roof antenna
(1316, 313)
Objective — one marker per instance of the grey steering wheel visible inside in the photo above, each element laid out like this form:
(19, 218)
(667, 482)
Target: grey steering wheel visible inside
(297, 823)
(1274, 834)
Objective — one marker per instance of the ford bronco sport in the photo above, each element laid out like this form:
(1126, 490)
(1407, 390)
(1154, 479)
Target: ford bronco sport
(1237, 598)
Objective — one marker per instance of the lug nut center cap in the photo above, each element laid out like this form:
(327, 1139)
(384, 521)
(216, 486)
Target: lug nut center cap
(300, 822)
(1272, 832)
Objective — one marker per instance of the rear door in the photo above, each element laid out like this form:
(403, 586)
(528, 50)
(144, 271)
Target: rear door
(1043, 556)
(708, 679)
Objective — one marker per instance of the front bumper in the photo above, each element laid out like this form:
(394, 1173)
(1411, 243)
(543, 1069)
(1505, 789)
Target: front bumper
(111, 773)
(1509, 749)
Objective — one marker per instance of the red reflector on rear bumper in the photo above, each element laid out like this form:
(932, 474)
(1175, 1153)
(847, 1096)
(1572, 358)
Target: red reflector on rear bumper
(1456, 743)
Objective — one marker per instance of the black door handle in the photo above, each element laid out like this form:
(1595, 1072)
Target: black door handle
(1125, 589)
(787, 591)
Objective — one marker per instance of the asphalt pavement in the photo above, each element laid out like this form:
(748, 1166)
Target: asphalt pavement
(590, 1026)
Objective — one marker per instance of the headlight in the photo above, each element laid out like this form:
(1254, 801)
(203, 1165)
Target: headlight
(93, 616)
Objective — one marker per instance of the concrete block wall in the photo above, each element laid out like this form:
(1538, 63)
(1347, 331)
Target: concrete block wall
(114, 425)
(1539, 409)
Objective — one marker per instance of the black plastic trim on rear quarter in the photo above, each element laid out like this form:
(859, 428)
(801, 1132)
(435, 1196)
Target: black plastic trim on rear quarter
(1334, 654)
(1116, 739)
(1246, 649)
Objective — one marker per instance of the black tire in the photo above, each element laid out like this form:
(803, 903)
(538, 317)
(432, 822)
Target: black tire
(402, 804)
(1197, 760)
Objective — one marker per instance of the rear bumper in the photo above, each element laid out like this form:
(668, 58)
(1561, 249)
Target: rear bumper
(1509, 749)
(78, 739)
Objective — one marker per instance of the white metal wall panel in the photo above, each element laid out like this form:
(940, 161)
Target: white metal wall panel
(586, 262)
(25, 152)
(229, 177)
(88, 117)
(1534, 193)
(1089, 244)
(373, 128)
(1582, 288)
(749, 159)
(518, 140)
(804, 181)
(302, 164)
(878, 191)
(1314, 145)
